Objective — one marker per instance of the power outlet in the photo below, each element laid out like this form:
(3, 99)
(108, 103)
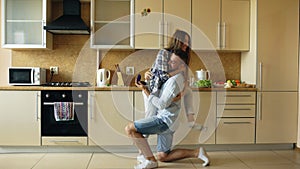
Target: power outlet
(54, 69)
(129, 70)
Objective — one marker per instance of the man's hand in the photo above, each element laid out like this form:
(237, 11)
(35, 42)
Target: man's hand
(143, 87)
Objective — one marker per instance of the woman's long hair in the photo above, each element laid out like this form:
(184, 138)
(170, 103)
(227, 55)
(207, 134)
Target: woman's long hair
(177, 40)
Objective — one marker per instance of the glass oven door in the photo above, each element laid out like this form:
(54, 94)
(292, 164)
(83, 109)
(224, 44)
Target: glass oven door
(51, 126)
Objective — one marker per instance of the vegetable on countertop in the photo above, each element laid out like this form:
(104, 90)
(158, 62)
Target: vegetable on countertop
(203, 83)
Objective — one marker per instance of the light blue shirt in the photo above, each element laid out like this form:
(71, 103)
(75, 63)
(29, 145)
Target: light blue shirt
(168, 110)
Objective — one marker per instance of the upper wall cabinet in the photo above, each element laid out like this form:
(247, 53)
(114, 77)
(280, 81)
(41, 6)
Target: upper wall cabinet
(112, 24)
(157, 20)
(23, 22)
(221, 24)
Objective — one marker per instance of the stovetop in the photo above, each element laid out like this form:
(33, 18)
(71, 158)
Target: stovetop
(68, 84)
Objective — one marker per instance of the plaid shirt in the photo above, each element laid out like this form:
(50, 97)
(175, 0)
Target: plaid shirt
(160, 71)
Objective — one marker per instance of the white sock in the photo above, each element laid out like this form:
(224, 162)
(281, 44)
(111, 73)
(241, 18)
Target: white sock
(203, 156)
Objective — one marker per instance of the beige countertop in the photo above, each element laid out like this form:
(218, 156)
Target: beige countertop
(116, 88)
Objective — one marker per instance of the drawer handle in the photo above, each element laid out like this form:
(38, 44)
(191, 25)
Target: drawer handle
(237, 122)
(64, 141)
(248, 95)
(239, 109)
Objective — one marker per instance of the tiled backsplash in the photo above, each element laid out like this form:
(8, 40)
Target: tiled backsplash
(77, 62)
(221, 65)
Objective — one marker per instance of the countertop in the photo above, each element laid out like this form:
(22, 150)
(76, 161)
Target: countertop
(116, 88)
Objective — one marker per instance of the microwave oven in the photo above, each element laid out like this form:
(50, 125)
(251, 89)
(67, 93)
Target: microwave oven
(26, 76)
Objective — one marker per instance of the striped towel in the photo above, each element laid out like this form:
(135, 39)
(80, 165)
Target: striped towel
(64, 111)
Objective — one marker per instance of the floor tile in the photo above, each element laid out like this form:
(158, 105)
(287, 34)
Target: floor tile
(112, 160)
(280, 159)
(64, 161)
(220, 160)
(294, 156)
(19, 161)
(278, 166)
(260, 158)
(180, 164)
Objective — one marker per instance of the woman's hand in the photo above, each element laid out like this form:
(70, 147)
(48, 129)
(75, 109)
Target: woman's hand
(182, 67)
(148, 75)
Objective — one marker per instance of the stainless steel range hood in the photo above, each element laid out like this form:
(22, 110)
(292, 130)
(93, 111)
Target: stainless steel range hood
(70, 22)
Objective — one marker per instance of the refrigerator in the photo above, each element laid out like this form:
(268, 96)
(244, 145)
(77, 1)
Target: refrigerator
(277, 71)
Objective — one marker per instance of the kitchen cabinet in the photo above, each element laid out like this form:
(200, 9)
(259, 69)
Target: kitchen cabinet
(205, 114)
(278, 64)
(20, 118)
(236, 117)
(112, 24)
(153, 29)
(25, 31)
(277, 118)
(109, 113)
(221, 25)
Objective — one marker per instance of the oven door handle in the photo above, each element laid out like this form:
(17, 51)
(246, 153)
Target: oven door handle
(75, 103)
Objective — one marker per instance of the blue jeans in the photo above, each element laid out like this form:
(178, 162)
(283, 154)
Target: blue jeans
(154, 125)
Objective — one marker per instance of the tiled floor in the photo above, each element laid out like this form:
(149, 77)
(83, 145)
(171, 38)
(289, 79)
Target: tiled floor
(281, 159)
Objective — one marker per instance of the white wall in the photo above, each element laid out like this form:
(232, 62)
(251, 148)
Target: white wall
(5, 62)
(248, 59)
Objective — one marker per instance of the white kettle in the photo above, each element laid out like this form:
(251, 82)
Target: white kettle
(203, 75)
(103, 77)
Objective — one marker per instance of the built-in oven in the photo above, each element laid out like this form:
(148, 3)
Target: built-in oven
(64, 117)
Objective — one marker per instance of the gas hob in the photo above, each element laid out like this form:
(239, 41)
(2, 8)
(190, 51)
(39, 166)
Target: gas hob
(68, 84)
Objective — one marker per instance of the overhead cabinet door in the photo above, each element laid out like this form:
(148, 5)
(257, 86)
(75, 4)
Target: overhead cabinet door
(157, 20)
(148, 24)
(220, 24)
(177, 15)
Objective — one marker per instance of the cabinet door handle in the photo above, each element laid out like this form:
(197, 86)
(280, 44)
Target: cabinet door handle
(219, 35)
(43, 34)
(160, 34)
(37, 106)
(259, 106)
(92, 97)
(165, 34)
(260, 75)
(240, 122)
(224, 36)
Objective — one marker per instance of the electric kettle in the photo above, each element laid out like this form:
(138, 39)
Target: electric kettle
(203, 75)
(103, 77)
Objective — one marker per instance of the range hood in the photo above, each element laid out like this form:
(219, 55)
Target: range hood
(70, 22)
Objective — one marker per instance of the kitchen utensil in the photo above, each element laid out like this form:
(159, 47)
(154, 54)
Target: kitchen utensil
(103, 77)
(203, 75)
(120, 81)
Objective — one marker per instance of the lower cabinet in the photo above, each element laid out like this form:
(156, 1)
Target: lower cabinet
(20, 118)
(277, 117)
(205, 114)
(109, 113)
(236, 131)
(235, 118)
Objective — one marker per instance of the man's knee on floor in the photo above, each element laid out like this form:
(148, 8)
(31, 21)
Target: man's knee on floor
(162, 157)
